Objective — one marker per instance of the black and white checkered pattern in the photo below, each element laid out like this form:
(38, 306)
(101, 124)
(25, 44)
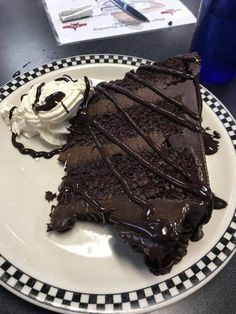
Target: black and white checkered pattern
(73, 301)
(222, 113)
(65, 63)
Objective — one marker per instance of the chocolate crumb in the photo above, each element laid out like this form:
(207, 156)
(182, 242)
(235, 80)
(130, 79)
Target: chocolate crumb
(216, 134)
(49, 196)
(49, 228)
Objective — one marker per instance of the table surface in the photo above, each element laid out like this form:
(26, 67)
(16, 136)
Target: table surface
(26, 36)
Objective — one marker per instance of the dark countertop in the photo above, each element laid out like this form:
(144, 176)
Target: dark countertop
(26, 36)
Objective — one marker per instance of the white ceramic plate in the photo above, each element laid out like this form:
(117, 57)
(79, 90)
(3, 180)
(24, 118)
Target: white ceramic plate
(88, 269)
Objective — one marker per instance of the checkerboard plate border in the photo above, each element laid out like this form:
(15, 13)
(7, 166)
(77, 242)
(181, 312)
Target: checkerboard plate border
(56, 298)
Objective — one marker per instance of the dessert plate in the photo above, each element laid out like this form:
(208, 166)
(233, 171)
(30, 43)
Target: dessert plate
(88, 269)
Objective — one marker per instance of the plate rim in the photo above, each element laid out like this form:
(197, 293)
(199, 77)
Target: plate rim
(144, 299)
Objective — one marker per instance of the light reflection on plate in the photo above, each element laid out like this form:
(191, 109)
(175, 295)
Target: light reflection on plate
(91, 244)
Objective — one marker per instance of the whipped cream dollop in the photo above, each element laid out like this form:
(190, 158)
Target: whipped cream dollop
(46, 109)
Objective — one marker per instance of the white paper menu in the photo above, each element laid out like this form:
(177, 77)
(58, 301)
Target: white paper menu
(108, 20)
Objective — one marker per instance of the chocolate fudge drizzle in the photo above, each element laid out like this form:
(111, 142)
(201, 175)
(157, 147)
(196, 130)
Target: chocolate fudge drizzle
(127, 188)
(35, 154)
(38, 94)
(148, 139)
(158, 91)
(180, 74)
(172, 116)
(159, 69)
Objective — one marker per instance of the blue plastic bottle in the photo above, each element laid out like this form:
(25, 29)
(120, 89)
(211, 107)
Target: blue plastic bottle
(215, 40)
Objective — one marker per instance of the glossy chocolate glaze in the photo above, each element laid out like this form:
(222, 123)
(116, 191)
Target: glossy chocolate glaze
(216, 134)
(211, 145)
(150, 229)
(218, 202)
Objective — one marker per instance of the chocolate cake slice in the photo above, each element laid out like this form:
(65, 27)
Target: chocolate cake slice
(135, 158)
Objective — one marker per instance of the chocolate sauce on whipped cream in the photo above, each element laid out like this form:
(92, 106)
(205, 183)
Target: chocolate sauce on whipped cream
(38, 121)
(51, 101)
(38, 94)
(11, 112)
(22, 96)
